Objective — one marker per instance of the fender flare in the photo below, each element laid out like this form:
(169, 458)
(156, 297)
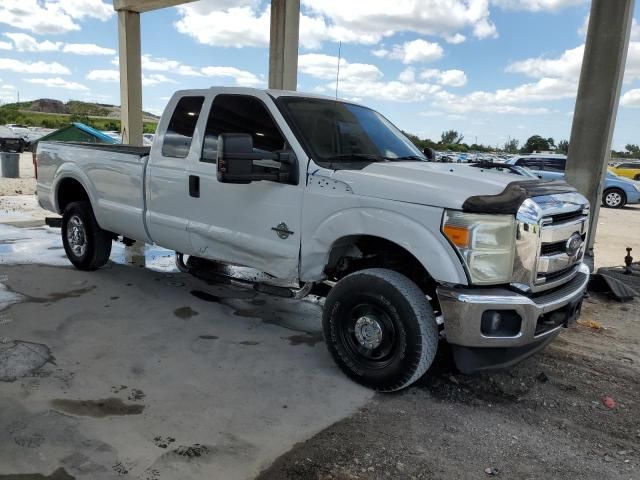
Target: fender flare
(70, 170)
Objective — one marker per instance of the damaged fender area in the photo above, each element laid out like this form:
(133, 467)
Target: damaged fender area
(344, 215)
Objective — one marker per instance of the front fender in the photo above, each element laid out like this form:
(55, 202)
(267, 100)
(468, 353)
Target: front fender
(421, 238)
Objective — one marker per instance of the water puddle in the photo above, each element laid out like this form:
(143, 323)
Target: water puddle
(96, 408)
(43, 246)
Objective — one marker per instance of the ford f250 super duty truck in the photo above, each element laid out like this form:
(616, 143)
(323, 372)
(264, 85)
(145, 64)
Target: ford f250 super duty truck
(311, 190)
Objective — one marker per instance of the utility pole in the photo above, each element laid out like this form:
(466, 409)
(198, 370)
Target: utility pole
(605, 55)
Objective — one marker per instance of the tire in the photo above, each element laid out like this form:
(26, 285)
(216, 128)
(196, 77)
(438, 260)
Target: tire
(380, 329)
(614, 198)
(87, 246)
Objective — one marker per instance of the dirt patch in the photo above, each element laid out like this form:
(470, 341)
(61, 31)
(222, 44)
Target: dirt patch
(546, 418)
(96, 408)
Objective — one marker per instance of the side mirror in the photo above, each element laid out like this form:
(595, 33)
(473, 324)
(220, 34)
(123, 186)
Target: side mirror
(235, 157)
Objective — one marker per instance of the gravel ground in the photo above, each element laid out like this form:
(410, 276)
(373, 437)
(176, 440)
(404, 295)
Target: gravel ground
(26, 184)
(543, 419)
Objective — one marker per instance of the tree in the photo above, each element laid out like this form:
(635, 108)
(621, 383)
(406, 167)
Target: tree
(563, 146)
(537, 143)
(633, 149)
(511, 146)
(451, 137)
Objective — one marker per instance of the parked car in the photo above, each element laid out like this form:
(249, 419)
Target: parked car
(617, 192)
(627, 169)
(308, 190)
(11, 142)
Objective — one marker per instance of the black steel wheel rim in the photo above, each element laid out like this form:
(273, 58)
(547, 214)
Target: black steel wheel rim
(371, 358)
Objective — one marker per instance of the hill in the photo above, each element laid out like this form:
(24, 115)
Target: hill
(73, 107)
(50, 113)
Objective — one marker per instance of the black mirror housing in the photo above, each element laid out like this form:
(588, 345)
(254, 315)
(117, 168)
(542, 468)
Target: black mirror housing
(235, 157)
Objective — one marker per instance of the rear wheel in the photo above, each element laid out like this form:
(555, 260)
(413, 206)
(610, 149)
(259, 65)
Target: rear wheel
(614, 198)
(380, 329)
(87, 245)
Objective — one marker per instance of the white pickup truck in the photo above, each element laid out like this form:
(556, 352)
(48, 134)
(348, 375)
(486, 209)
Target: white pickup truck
(311, 190)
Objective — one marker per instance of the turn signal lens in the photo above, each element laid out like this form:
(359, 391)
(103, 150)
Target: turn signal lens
(459, 236)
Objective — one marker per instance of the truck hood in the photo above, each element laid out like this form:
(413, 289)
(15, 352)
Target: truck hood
(436, 184)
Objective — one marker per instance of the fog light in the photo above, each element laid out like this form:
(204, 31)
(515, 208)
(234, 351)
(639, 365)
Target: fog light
(500, 323)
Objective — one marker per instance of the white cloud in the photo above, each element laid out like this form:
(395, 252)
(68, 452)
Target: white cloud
(148, 80)
(456, 39)
(153, 64)
(566, 66)
(631, 99)
(245, 23)
(425, 17)
(569, 63)
(537, 5)
(6, 46)
(52, 16)
(26, 43)
(58, 82)
(87, 49)
(362, 80)
(325, 67)
(17, 66)
(416, 51)
(104, 75)
(241, 77)
(447, 78)
(635, 30)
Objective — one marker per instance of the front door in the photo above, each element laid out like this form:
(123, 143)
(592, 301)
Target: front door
(255, 225)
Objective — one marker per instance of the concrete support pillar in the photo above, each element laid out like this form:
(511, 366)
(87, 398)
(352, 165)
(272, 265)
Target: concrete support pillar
(605, 55)
(130, 77)
(283, 47)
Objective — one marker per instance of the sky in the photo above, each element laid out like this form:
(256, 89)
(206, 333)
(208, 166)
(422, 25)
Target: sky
(491, 69)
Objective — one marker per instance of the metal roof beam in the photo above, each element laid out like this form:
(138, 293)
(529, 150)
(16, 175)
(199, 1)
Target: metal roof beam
(142, 6)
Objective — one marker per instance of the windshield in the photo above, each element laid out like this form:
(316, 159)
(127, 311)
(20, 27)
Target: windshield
(343, 135)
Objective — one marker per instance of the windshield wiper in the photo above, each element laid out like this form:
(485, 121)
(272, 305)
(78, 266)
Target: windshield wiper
(406, 157)
(358, 156)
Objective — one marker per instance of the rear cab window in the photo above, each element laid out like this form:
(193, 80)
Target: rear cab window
(177, 139)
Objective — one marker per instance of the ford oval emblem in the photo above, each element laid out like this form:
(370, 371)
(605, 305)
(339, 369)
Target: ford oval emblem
(573, 244)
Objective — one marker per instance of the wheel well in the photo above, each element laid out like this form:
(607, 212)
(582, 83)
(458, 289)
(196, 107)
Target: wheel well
(70, 190)
(357, 252)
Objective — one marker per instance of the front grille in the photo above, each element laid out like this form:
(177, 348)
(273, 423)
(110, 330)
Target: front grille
(553, 248)
(565, 217)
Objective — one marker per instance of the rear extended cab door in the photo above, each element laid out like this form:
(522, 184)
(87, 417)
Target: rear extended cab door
(256, 225)
(167, 179)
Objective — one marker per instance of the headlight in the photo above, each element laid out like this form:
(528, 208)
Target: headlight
(486, 244)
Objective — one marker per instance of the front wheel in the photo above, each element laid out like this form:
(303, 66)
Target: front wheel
(614, 198)
(87, 245)
(380, 329)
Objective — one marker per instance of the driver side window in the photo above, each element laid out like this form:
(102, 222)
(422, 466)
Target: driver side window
(242, 114)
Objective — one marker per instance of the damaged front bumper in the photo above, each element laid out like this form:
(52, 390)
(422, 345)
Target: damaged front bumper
(493, 328)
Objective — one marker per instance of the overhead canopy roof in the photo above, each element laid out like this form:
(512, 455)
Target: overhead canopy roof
(142, 6)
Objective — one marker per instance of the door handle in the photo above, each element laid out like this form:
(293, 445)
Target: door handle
(194, 186)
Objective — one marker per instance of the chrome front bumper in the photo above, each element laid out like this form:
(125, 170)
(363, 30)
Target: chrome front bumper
(463, 309)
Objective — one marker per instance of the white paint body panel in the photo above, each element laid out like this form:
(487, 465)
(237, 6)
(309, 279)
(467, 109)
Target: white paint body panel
(402, 202)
